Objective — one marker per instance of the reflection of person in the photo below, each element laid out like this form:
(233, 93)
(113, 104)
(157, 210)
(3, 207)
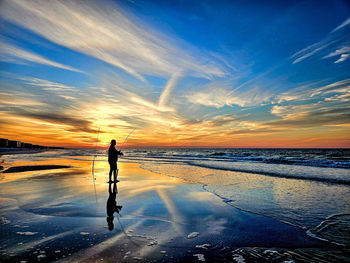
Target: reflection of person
(112, 205)
(113, 159)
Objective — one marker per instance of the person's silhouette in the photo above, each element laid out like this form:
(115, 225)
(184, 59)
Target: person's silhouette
(112, 205)
(113, 159)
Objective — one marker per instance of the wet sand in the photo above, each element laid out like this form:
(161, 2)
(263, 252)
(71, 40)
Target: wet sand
(60, 214)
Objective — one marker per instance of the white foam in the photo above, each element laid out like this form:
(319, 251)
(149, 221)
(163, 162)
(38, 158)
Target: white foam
(26, 233)
(336, 175)
(204, 246)
(309, 233)
(269, 251)
(4, 221)
(152, 243)
(193, 235)
(238, 258)
(200, 257)
(19, 226)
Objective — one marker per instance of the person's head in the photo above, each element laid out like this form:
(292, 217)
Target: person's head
(113, 142)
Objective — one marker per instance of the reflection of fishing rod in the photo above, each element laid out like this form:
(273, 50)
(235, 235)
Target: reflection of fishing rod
(118, 214)
(93, 163)
(123, 230)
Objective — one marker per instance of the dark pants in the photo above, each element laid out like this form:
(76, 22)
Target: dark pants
(112, 168)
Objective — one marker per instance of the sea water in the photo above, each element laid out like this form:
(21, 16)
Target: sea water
(307, 188)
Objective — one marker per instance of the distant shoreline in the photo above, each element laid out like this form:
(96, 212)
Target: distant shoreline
(8, 151)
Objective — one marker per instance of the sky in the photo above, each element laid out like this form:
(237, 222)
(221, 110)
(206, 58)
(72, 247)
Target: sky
(181, 73)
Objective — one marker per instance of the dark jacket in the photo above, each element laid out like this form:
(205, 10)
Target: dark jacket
(113, 154)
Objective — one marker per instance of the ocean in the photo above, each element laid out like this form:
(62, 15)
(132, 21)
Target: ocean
(307, 188)
(304, 189)
(325, 165)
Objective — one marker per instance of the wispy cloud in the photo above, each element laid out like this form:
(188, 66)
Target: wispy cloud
(342, 52)
(312, 119)
(310, 51)
(14, 54)
(218, 97)
(345, 23)
(104, 32)
(47, 85)
(342, 58)
(334, 40)
(312, 90)
(73, 123)
(169, 87)
(315, 107)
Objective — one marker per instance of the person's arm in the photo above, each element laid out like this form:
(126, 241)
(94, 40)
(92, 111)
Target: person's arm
(120, 153)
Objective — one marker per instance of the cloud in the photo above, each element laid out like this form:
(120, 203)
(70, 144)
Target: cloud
(345, 23)
(312, 119)
(342, 58)
(13, 54)
(74, 123)
(332, 40)
(219, 97)
(321, 113)
(342, 86)
(9, 99)
(307, 92)
(309, 51)
(331, 107)
(343, 52)
(292, 111)
(345, 49)
(47, 85)
(101, 30)
(52, 95)
(169, 87)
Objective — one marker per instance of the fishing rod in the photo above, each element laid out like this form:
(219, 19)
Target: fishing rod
(127, 138)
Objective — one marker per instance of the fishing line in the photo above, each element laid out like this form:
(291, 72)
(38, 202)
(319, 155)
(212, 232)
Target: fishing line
(129, 237)
(118, 215)
(93, 163)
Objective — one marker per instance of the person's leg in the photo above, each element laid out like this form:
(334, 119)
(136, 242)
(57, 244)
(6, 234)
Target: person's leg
(115, 173)
(110, 172)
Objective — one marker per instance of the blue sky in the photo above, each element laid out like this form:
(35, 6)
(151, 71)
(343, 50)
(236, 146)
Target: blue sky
(183, 73)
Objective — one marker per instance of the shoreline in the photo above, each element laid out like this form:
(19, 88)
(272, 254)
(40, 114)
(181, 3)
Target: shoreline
(10, 151)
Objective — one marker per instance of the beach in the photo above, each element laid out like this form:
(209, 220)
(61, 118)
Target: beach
(53, 208)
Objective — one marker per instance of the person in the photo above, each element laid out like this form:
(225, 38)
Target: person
(113, 159)
(112, 205)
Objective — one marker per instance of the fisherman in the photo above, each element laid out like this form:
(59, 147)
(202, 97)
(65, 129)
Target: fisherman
(112, 160)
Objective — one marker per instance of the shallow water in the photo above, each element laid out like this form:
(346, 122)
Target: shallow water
(55, 214)
(302, 203)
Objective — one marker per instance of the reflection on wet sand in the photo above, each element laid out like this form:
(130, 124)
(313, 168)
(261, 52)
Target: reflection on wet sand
(112, 206)
(163, 216)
